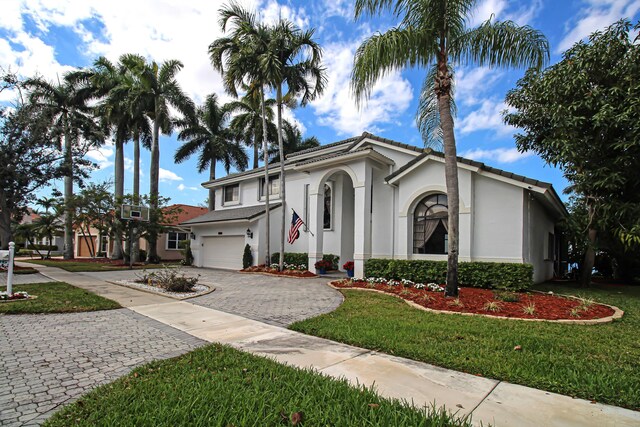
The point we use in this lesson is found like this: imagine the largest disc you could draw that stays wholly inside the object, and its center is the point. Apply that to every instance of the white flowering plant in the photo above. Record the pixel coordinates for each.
(5, 296)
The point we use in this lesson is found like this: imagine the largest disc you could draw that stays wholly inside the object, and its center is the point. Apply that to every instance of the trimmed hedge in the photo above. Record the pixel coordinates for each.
(494, 275)
(43, 247)
(303, 258)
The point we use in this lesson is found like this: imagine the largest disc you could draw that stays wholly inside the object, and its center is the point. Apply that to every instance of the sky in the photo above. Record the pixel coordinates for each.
(51, 37)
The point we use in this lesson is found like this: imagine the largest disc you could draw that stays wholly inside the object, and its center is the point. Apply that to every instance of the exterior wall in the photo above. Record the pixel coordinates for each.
(538, 226)
(234, 229)
(498, 216)
(382, 215)
(167, 254)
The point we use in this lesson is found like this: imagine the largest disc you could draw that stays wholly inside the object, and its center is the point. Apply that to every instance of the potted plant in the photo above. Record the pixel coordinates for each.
(349, 267)
(322, 266)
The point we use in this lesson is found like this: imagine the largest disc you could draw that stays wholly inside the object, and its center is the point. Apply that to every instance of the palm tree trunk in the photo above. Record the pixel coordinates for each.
(119, 192)
(68, 194)
(256, 145)
(152, 253)
(282, 179)
(590, 254)
(212, 192)
(135, 246)
(451, 176)
(265, 149)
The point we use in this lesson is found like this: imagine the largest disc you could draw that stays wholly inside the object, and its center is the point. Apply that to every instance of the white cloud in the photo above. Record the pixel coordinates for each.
(597, 15)
(389, 100)
(342, 8)
(272, 11)
(487, 117)
(102, 155)
(166, 175)
(182, 187)
(471, 83)
(504, 10)
(500, 155)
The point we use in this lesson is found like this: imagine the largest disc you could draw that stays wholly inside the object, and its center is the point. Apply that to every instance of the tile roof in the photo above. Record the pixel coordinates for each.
(330, 156)
(246, 213)
(184, 213)
(321, 147)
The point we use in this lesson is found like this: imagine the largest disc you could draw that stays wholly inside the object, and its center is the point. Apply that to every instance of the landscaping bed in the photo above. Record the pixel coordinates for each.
(522, 305)
(220, 386)
(94, 264)
(273, 270)
(23, 270)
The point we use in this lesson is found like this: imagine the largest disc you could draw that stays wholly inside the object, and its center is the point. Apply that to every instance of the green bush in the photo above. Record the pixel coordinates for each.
(43, 247)
(333, 259)
(303, 258)
(493, 275)
(185, 250)
(247, 257)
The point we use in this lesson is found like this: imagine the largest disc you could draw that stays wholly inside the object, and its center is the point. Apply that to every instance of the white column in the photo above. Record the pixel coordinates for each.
(316, 223)
(362, 224)
(12, 248)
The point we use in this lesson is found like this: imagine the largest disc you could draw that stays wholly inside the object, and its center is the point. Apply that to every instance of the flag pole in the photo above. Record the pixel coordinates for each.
(305, 224)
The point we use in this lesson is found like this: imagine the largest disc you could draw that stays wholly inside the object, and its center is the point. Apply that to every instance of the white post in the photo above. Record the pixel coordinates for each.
(362, 224)
(12, 247)
(316, 212)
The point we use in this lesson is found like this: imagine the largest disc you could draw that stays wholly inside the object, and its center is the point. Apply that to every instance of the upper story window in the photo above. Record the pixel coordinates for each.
(274, 186)
(430, 225)
(232, 193)
(175, 239)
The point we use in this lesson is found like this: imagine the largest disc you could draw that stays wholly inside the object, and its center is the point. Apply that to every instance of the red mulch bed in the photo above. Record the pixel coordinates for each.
(473, 300)
(275, 271)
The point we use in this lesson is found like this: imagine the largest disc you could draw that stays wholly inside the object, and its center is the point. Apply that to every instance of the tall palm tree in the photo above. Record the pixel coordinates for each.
(434, 34)
(247, 121)
(292, 141)
(72, 121)
(156, 92)
(240, 58)
(292, 64)
(209, 135)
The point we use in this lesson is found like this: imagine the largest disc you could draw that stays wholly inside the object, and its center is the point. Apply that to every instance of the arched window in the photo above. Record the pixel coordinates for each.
(430, 226)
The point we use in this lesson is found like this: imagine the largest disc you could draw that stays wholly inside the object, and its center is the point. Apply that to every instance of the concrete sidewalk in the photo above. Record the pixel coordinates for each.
(487, 401)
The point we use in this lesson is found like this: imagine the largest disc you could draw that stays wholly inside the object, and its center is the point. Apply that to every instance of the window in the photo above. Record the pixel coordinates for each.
(274, 186)
(175, 239)
(232, 193)
(328, 202)
(104, 244)
(430, 225)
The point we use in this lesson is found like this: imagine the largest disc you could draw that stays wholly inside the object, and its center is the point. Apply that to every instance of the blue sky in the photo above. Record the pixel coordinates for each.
(50, 37)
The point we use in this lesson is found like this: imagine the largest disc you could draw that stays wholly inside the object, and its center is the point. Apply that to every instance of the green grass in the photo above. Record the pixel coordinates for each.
(596, 362)
(55, 297)
(87, 266)
(220, 386)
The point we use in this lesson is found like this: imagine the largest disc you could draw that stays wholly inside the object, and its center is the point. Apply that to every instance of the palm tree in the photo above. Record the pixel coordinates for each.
(240, 59)
(247, 122)
(293, 61)
(292, 141)
(209, 135)
(65, 107)
(433, 34)
(156, 92)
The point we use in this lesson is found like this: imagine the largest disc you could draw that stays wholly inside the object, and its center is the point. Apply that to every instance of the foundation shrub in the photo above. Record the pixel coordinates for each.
(303, 258)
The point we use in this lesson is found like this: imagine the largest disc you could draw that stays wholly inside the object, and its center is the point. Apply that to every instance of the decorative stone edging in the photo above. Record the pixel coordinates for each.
(616, 315)
(164, 294)
(264, 273)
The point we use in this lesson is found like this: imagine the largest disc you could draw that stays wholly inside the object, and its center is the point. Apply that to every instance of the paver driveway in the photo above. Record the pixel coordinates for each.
(269, 299)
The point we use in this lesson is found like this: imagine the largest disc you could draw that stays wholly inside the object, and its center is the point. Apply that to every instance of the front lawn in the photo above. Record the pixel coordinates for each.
(220, 386)
(55, 297)
(78, 266)
(596, 362)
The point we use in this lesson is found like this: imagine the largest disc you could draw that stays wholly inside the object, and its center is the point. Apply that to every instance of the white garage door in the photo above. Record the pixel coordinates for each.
(223, 252)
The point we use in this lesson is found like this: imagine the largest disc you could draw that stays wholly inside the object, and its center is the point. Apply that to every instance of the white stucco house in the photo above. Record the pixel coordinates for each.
(371, 197)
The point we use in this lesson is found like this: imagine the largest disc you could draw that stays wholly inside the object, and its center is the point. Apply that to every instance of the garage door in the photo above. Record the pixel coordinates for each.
(223, 252)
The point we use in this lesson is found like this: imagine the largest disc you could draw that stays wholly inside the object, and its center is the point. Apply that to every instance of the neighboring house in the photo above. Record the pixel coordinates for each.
(168, 243)
(58, 238)
(368, 196)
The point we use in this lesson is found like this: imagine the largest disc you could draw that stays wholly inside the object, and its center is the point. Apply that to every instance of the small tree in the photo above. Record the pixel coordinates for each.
(247, 257)
(582, 115)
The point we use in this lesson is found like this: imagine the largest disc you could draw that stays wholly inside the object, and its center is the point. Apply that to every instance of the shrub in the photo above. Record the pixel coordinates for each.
(303, 258)
(333, 259)
(170, 279)
(43, 247)
(506, 296)
(142, 255)
(348, 265)
(187, 255)
(507, 276)
(247, 257)
(323, 264)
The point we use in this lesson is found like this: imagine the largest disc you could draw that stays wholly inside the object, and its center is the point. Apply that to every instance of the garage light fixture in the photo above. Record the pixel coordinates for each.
(249, 233)
(193, 236)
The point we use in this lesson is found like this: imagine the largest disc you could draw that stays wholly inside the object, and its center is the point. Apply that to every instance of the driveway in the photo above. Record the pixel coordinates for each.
(274, 300)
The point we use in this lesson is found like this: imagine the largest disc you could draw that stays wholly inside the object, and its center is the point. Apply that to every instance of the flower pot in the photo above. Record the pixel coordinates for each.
(322, 271)
(350, 273)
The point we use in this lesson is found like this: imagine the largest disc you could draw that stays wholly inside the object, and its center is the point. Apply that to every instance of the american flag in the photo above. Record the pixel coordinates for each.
(294, 231)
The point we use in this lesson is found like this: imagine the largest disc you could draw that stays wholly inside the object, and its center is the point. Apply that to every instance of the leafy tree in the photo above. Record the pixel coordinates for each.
(73, 127)
(97, 209)
(246, 123)
(433, 34)
(208, 134)
(24, 135)
(582, 115)
(239, 58)
(48, 225)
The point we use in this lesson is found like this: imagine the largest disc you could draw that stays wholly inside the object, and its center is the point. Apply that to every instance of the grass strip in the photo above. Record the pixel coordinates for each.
(55, 297)
(595, 362)
(80, 266)
(220, 386)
